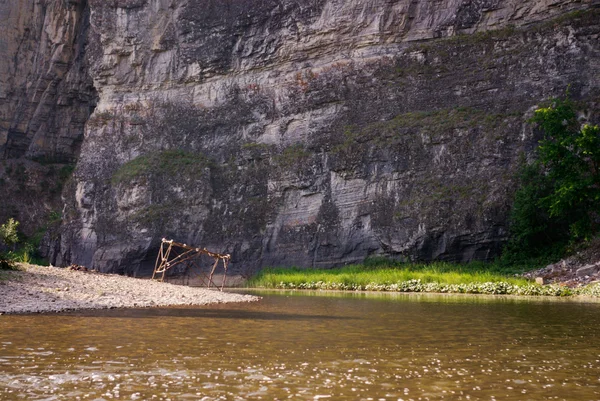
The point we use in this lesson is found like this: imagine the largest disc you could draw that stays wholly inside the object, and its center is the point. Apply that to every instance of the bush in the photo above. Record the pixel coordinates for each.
(9, 235)
(8, 232)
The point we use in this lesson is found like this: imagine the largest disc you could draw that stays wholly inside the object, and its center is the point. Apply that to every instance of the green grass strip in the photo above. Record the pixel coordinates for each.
(435, 277)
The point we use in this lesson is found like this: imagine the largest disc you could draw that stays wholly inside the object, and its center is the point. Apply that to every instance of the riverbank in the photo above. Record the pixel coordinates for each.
(432, 278)
(35, 289)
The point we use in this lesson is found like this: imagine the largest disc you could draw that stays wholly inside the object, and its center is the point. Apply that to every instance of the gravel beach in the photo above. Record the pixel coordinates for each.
(36, 289)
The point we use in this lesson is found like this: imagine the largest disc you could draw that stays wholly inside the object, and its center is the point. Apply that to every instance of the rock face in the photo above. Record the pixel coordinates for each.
(46, 98)
(45, 91)
(307, 133)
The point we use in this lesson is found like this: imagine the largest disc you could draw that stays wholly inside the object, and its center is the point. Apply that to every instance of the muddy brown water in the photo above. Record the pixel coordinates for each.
(325, 346)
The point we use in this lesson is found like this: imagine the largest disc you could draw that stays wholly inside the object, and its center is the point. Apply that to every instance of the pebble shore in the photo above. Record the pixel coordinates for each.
(37, 289)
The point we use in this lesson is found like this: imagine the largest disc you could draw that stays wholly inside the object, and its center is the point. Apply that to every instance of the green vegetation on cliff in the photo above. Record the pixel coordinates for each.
(167, 162)
(433, 124)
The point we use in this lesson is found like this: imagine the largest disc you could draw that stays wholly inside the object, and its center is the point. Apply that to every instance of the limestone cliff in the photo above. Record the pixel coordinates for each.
(312, 132)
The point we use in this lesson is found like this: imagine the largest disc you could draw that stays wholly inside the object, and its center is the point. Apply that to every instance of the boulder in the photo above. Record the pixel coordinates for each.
(588, 270)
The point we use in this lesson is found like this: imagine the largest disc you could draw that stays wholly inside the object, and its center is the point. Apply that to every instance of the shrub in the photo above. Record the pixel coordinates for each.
(6, 263)
(9, 236)
(8, 232)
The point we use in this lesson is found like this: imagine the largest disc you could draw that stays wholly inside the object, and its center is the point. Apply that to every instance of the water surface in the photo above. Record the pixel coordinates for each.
(288, 346)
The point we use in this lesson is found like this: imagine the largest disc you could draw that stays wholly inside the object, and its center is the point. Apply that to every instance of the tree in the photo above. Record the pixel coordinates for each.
(559, 196)
(570, 155)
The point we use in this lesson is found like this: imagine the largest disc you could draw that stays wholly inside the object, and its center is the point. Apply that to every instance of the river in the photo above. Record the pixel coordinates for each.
(321, 346)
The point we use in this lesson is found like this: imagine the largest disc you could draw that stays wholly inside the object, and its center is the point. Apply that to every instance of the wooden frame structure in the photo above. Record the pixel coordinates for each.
(173, 253)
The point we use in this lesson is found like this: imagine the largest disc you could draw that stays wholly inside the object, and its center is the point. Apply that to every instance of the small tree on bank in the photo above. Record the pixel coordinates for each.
(558, 200)
(9, 234)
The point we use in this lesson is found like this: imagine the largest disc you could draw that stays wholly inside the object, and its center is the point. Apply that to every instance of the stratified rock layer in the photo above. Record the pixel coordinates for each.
(314, 133)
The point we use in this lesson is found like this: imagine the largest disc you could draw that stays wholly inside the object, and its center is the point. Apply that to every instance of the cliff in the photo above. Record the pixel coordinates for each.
(310, 133)
(46, 98)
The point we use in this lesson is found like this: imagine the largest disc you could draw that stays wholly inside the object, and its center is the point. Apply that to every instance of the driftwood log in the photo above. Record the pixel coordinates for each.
(173, 253)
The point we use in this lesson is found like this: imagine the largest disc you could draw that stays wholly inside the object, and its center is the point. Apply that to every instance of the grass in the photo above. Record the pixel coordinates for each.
(363, 275)
(441, 277)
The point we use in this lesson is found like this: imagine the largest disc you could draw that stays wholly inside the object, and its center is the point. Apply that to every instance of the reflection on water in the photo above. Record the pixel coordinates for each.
(349, 346)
